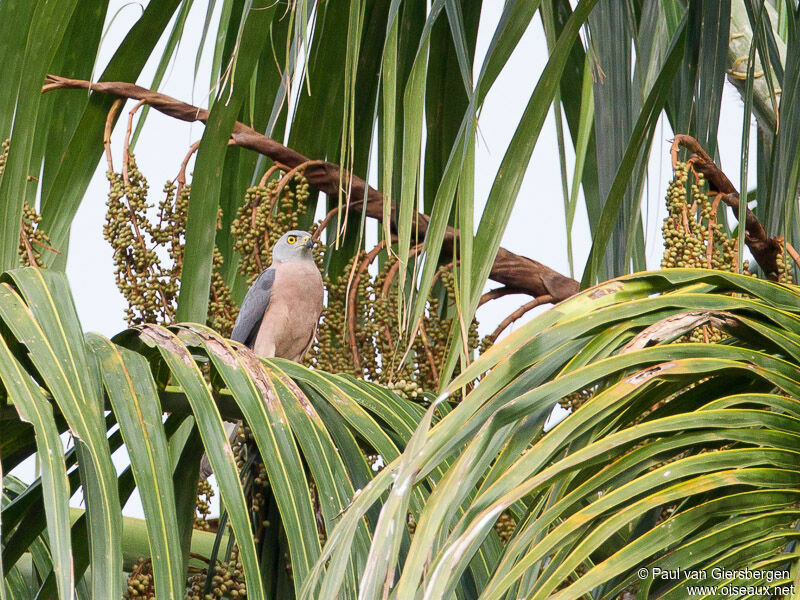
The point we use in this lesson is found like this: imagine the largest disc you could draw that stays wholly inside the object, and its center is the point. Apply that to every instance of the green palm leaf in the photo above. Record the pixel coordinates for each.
(140, 374)
(675, 454)
(658, 433)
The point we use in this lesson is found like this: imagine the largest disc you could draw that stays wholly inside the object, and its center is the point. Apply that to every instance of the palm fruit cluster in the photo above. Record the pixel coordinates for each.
(505, 526)
(239, 446)
(268, 211)
(576, 399)
(409, 389)
(222, 309)
(411, 523)
(150, 291)
(148, 243)
(244, 447)
(204, 494)
(32, 240)
(140, 581)
(376, 323)
(4, 145)
(784, 266)
(227, 582)
(694, 239)
(692, 236)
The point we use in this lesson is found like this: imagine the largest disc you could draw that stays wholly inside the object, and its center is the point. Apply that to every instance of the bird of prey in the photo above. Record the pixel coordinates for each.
(281, 310)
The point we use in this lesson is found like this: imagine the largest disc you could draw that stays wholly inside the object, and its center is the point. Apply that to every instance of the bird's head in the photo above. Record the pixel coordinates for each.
(293, 245)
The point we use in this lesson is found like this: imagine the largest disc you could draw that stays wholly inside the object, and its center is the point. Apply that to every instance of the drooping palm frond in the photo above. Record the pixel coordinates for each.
(313, 431)
(681, 455)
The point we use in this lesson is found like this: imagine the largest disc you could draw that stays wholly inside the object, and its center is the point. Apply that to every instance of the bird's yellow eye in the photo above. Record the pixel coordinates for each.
(291, 239)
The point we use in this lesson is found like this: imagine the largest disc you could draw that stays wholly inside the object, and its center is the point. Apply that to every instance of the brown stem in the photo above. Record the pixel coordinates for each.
(324, 223)
(498, 293)
(267, 174)
(181, 178)
(351, 301)
(45, 246)
(764, 248)
(428, 354)
(508, 268)
(197, 556)
(130, 275)
(528, 306)
(685, 215)
(286, 178)
(112, 114)
(27, 243)
(395, 268)
(126, 155)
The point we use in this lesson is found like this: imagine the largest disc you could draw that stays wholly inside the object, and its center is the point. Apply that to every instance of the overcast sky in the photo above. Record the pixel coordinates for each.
(536, 229)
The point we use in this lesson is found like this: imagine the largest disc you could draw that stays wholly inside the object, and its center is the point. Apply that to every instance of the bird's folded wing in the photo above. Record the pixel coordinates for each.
(252, 312)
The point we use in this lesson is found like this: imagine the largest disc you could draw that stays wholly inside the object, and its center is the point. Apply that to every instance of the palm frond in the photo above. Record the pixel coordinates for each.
(671, 437)
(313, 430)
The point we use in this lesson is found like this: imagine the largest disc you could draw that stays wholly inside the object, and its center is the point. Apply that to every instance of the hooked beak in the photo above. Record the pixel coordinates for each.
(309, 242)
